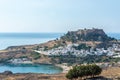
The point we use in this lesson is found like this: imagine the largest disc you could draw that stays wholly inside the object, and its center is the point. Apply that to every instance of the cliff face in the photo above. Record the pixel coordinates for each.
(86, 35)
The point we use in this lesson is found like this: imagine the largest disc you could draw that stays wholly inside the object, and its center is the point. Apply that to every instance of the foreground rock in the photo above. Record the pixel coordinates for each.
(7, 73)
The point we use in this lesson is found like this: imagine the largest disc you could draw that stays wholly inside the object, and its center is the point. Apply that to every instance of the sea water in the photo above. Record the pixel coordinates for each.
(30, 68)
(17, 39)
(115, 35)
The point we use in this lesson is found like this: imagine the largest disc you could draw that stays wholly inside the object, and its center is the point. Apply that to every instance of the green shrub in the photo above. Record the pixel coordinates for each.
(83, 71)
(35, 55)
(73, 73)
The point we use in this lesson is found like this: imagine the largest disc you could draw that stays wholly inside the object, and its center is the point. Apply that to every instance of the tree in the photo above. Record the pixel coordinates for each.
(69, 75)
(73, 73)
(83, 71)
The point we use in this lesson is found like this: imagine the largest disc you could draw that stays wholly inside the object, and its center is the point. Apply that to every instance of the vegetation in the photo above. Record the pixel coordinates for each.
(57, 45)
(87, 35)
(71, 59)
(83, 71)
(35, 55)
(23, 57)
(81, 46)
(45, 48)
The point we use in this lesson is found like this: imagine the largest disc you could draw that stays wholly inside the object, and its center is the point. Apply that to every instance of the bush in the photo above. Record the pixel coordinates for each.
(35, 55)
(73, 73)
(82, 46)
(83, 71)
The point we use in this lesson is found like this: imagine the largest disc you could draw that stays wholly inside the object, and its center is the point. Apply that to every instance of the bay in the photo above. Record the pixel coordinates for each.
(30, 68)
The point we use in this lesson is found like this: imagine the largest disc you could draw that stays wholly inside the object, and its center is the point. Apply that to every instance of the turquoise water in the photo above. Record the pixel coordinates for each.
(31, 68)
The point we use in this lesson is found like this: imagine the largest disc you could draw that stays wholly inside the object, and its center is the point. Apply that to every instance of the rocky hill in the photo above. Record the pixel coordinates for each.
(86, 35)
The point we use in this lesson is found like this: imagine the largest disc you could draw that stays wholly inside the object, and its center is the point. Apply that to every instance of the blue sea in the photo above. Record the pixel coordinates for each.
(114, 35)
(16, 39)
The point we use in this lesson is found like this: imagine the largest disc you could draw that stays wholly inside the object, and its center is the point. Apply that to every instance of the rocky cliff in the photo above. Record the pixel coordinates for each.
(86, 35)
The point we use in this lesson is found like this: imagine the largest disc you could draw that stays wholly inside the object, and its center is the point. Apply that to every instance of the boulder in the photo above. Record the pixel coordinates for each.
(7, 72)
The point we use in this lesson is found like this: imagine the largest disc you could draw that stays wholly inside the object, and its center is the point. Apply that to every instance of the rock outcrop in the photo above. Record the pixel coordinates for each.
(7, 73)
(86, 35)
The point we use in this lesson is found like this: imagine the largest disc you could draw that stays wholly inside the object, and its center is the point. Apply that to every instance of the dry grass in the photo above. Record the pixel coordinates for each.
(112, 72)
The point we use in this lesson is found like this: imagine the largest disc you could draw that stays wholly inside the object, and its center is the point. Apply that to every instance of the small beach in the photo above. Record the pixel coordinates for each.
(64, 67)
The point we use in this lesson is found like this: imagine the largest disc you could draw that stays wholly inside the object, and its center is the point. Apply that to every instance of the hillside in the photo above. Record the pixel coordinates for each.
(86, 35)
(92, 37)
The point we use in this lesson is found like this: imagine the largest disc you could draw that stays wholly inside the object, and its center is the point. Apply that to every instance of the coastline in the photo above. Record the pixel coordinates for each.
(65, 68)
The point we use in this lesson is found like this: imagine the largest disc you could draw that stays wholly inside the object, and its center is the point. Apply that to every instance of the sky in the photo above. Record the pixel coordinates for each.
(59, 15)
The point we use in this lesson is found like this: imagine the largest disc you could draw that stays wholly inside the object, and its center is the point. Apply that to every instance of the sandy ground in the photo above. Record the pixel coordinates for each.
(113, 73)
